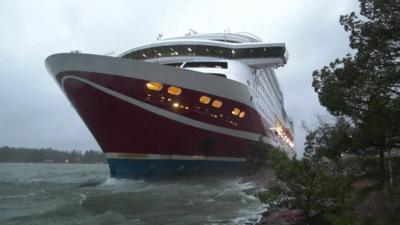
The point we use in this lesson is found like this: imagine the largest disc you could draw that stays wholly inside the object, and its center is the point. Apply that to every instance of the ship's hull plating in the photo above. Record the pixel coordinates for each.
(143, 133)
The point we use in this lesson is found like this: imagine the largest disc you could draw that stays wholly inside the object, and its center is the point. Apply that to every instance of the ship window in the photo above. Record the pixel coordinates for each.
(174, 64)
(235, 111)
(174, 90)
(155, 86)
(230, 41)
(216, 103)
(218, 74)
(205, 99)
(223, 65)
(242, 114)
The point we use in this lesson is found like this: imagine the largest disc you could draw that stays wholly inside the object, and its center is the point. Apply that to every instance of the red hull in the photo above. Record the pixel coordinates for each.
(122, 127)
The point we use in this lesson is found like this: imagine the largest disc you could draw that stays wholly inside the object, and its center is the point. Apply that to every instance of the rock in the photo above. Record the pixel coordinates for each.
(283, 216)
(262, 179)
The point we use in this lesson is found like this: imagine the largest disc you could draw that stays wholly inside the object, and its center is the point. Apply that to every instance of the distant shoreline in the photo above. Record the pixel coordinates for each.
(61, 163)
(50, 156)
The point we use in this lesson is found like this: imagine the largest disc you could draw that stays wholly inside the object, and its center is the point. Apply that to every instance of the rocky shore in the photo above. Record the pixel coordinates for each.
(376, 204)
(263, 180)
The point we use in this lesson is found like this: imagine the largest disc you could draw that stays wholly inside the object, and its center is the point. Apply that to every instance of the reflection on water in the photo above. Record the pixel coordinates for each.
(84, 194)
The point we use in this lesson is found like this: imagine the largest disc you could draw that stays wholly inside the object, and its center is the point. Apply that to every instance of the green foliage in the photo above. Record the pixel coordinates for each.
(313, 188)
(363, 92)
(366, 87)
(258, 155)
(307, 184)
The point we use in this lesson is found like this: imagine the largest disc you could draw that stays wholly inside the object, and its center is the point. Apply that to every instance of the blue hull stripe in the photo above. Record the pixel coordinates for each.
(153, 168)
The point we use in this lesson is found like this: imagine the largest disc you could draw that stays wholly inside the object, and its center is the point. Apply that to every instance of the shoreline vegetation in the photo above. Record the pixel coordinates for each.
(49, 155)
(350, 171)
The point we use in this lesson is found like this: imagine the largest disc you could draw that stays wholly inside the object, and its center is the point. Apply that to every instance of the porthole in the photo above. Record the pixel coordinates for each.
(216, 103)
(205, 99)
(174, 90)
(155, 86)
(235, 111)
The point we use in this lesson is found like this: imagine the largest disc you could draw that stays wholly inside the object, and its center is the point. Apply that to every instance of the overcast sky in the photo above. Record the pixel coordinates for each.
(35, 113)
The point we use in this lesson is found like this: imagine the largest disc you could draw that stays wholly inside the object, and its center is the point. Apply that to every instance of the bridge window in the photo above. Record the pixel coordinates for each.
(222, 65)
(204, 50)
(218, 75)
(174, 64)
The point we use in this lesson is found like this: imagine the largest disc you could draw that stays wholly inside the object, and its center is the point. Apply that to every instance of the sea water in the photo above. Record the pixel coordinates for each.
(85, 194)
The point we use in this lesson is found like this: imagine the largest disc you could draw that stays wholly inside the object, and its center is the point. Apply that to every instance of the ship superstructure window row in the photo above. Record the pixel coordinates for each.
(216, 65)
(204, 50)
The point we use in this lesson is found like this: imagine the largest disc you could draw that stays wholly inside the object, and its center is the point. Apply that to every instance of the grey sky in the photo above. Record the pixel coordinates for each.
(35, 113)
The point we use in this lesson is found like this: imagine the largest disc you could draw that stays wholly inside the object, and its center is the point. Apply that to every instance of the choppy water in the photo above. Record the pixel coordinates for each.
(84, 194)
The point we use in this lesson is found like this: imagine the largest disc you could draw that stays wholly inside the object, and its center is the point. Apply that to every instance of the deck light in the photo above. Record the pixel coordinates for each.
(189, 49)
(233, 51)
(144, 55)
(175, 105)
(242, 114)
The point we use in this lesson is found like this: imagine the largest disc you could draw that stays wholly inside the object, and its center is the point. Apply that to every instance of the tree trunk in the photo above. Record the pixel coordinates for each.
(339, 166)
(382, 160)
(307, 209)
(390, 170)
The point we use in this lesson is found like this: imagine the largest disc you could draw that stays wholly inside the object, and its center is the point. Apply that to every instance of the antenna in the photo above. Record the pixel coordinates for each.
(159, 36)
(193, 31)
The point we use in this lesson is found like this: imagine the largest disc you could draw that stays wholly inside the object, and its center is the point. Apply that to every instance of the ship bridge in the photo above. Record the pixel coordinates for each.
(245, 48)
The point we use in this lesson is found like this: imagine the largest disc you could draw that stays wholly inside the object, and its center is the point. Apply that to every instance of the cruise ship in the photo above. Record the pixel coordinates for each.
(184, 105)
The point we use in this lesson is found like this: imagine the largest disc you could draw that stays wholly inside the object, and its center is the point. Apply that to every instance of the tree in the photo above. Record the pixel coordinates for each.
(307, 184)
(365, 88)
(331, 141)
